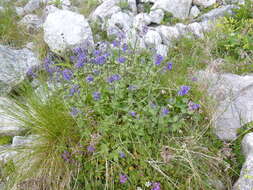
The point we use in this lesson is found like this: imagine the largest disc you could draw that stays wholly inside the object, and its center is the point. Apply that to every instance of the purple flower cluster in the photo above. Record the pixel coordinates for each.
(116, 43)
(74, 89)
(66, 156)
(74, 111)
(67, 74)
(100, 60)
(183, 90)
(114, 78)
(165, 111)
(122, 155)
(169, 66)
(89, 79)
(96, 95)
(81, 57)
(121, 60)
(125, 47)
(156, 186)
(123, 178)
(133, 113)
(31, 73)
(90, 148)
(193, 106)
(158, 59)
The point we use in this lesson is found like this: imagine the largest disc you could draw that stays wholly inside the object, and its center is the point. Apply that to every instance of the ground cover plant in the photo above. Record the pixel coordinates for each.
(114, 117)
(10, 32)
(110, 116)
(233, 40)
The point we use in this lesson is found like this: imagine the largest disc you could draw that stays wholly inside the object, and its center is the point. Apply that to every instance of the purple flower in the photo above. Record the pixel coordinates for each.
(66, 156)
(169, 66)
(89, 79)
(67, 74)
(96, 52)
(107, 54)
(165, 111)
(91, 148)
(158, 59)
(100, 60)
(122, 178)
(96, 95)
(81, 60)
(74, 111)
(48, 65)
(125, 47)
(113, 78)
(73, 90)
(31, 73)
(156, 186)
(121, 59)
(122, 155)
(116, 43)
(194, 79)
(183, 90)
(121, 35)
(96, 72)
(132, 113)
(144, 31)
(193, 106)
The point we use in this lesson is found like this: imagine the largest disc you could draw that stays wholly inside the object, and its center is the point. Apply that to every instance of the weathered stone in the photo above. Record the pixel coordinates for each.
(194, 12)
(49, 9)
(119, 22)
(132, 6)
(218, 12)
(106, 9)
(204, 3)
(234, 96)
(141, 20)
(32, 22)
(14, 64)
(23, 141)
(247, 145)
(65, 30)
(162, 50)
(179, 8)
(156, 16)
(31, 6)
(196, 29)
(20, 11)
(6, 154)
(8, 125)
(168, 33)
(152, 38)
(245, 181)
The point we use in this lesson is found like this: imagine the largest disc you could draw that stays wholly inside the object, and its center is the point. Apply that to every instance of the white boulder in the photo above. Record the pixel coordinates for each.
(64, 29)
(204, 3)
(179, 8)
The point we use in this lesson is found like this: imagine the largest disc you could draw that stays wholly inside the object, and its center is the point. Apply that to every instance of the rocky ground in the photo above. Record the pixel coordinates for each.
(143, 26)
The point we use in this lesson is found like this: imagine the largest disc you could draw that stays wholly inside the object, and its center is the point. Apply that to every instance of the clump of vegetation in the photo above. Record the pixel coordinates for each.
(123, 5)
(4, 140)
(168, 19)
(86, 7)
(234, 40)
(147, 7)
(118, 118)
(10, 32)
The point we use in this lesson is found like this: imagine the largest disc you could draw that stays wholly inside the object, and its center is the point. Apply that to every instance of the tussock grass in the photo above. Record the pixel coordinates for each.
(10, 32)
(42, 161)
(85, 7)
